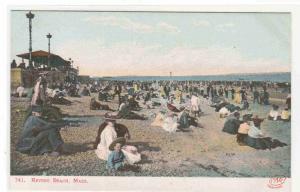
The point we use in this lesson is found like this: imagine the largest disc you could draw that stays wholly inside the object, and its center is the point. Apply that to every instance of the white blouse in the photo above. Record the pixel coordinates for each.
(255, 132)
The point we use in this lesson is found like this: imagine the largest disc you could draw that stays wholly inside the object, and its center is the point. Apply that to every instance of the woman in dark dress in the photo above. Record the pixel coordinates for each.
(257, 140)
(232, 124)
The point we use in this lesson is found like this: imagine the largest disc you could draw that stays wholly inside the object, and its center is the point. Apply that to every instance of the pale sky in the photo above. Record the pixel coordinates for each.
(155, 43)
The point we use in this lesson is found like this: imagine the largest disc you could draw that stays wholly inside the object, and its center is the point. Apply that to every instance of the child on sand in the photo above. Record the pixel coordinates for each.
(116, 158)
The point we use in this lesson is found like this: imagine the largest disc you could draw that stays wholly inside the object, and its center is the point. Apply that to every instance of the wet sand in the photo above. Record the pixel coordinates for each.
(203, 151)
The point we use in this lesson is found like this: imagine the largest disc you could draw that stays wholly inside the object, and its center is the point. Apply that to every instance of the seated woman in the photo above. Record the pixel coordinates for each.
(170, 123)
(39, 136)
(108, 132)
(232, 124)
(133, 104)
(224, 112)
(159, 119)
(243, 129)
(285, 115)
(185, 120)
(274, 113)
(125, 113)
(257, 140)
(95, 105)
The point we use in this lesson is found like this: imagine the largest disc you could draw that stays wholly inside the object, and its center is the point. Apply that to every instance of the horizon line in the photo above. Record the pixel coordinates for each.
(188, 75)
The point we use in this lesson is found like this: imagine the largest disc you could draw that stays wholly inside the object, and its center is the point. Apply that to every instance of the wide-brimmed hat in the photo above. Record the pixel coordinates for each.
(257, 121)
(120, 140)
(109, 117)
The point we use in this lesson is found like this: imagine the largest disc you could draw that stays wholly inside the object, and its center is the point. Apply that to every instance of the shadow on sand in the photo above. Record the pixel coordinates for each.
(72, 148)
(144, 146)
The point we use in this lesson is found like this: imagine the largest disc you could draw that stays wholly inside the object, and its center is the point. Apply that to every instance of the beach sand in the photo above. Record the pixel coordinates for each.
(203, 151)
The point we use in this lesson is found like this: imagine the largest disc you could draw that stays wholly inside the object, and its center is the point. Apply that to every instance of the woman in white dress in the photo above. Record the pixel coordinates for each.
(195, 105)
(107, 133)
(170, 123)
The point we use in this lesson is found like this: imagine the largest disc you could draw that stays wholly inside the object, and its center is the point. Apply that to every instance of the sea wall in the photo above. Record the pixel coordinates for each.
(28, 77)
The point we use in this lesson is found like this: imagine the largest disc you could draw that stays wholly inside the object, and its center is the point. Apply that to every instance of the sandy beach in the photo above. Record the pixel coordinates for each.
(203, 151)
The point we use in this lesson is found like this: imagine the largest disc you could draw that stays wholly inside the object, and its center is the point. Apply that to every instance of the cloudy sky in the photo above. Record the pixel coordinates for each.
(155, 43)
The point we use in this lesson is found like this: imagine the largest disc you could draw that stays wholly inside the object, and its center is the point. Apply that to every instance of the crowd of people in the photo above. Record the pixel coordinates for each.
(177, 106)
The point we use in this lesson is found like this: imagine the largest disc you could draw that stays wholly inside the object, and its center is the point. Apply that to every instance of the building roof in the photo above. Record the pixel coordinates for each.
(42, 58)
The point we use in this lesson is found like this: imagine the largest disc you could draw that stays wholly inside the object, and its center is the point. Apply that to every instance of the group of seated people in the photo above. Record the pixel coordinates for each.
(56, 96)
(40, 137)
(110, 145)
(224, 108)
(19, 92)
(276, 115)
(249, 132)
(175, 121)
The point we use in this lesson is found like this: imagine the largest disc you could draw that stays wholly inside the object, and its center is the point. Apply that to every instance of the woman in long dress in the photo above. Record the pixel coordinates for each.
(237, 97)
(107, 133)
(257, 140)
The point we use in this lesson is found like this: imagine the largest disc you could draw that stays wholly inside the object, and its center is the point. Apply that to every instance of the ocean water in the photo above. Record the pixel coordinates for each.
(272, 77)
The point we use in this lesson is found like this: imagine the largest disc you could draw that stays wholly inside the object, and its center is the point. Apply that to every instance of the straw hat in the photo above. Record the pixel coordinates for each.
(120, 140)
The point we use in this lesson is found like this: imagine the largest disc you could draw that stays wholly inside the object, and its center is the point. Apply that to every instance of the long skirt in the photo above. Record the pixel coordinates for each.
(240, 138)
(263, 143)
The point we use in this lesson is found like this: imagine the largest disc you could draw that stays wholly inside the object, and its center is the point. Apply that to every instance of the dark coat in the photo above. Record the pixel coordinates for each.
(231, 125)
